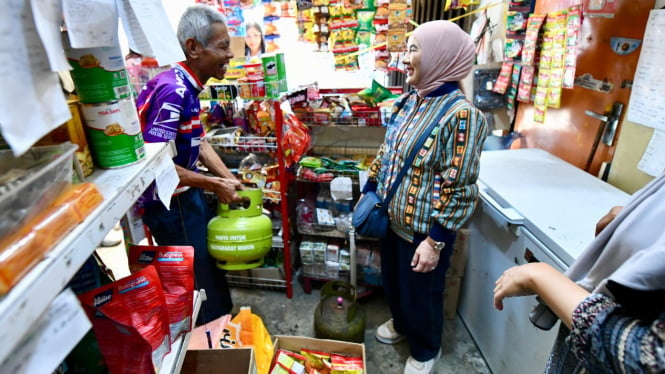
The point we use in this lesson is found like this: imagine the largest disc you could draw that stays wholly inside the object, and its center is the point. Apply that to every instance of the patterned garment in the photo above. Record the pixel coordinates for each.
(440, 185)
(604, 339)
(169, 109)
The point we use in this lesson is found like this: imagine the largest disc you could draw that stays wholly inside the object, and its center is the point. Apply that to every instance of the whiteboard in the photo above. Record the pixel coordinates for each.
(647, 99)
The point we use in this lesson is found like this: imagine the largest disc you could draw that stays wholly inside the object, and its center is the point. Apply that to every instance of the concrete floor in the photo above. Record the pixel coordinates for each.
(295, 316)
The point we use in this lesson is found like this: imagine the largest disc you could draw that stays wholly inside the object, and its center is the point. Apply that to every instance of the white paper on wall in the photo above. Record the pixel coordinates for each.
(653, 159)
(91, 23)
(647, 98)
(48, 16)
(149, 31)
(31, 100)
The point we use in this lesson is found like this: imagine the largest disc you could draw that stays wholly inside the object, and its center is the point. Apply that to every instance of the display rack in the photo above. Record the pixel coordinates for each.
(172, 362)
(224, 141)
(340, 140)
(24, 305)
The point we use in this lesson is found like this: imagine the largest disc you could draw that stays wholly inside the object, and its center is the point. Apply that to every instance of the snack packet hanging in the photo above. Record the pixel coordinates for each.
(130, 320)
(175, 267)
(375, 94)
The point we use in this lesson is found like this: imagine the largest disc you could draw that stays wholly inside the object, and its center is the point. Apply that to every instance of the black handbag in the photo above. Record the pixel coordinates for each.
(370, 218)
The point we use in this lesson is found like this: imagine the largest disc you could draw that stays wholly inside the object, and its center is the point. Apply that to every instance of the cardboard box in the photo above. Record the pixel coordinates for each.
(451, 297)
(213, 361)
(458, 258)
(296, 343)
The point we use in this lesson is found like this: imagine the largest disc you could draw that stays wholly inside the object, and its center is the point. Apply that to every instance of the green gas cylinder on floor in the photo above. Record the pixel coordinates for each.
(338, 315)
(241, 235)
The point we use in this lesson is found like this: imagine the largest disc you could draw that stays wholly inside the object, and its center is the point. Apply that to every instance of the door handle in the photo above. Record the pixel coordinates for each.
(612, 123)
(596, 115)
(606, 131)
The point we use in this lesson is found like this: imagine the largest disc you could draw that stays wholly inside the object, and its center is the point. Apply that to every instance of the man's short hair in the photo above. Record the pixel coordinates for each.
(196, 23)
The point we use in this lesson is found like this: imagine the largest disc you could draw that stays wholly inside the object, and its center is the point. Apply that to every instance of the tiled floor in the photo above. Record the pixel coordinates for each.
(295, 316)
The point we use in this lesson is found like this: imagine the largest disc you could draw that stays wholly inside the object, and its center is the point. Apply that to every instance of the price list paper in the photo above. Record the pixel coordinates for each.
(647, 99)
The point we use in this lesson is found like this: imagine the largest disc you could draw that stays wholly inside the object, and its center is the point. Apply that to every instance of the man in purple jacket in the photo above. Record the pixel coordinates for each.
(169, 110)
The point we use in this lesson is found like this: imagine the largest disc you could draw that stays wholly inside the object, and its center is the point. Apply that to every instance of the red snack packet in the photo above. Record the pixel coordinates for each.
(346, 364)
(130, 321)
(175, 267)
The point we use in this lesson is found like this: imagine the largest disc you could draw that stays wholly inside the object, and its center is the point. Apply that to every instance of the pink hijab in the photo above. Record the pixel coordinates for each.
(447, 54)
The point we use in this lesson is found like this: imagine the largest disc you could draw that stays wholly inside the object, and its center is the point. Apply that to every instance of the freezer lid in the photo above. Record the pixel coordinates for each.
(559, 202)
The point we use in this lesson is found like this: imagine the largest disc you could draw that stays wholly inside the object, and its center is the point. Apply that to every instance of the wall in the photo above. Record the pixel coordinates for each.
(630, 147)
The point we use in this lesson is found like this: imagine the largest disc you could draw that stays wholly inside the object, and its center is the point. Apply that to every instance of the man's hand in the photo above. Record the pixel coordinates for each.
(425, 259)
(607, 218)
(226, 189)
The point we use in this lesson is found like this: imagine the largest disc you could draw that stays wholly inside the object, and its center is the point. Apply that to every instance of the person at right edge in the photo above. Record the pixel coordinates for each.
(611, 300)
(437, 194)
(169, 109)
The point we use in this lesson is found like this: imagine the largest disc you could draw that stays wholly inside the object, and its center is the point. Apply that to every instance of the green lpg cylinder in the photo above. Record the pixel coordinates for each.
(241, 235)
(338, 316)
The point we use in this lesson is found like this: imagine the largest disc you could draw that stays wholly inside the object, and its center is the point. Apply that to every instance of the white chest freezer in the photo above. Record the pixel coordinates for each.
(533, 206)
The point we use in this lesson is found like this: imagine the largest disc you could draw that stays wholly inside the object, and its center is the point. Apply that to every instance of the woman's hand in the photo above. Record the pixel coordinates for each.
(516, 281)
(607, 218)
(425, 259)
(557, 291)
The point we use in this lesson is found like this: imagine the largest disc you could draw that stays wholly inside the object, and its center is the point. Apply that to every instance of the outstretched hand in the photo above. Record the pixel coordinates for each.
(513, 282)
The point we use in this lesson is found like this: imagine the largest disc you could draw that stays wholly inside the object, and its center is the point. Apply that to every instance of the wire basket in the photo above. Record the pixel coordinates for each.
(229, 140)
(326, 117)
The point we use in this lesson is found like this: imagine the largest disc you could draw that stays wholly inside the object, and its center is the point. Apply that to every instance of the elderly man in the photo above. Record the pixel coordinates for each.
(169, 110)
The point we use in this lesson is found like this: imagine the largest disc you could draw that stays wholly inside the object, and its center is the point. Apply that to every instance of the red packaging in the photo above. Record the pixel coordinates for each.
(130, 321)
(175, 267)
(367, 116)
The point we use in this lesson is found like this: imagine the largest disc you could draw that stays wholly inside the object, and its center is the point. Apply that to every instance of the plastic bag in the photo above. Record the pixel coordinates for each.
(248, 330)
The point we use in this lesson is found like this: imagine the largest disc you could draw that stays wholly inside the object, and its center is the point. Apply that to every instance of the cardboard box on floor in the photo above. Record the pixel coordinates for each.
(296, 343)
(451, 297)
(199, 359)
(213, 361)
(458, 257)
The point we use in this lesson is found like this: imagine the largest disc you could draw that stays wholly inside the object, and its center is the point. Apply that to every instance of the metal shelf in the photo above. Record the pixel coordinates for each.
(24, 305)
(172, 363)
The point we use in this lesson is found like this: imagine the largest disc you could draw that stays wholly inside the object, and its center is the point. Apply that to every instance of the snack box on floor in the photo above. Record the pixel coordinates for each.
(213, 361)
(296, 343)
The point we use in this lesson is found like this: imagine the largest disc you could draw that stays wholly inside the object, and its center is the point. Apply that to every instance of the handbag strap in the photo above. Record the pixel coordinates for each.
(416, 149)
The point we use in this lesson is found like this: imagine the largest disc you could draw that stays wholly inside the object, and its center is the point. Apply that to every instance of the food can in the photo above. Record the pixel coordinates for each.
(99, 73)
(269, 62)
(272, 89)
(270, 75)
(114, 133)
(281, 72)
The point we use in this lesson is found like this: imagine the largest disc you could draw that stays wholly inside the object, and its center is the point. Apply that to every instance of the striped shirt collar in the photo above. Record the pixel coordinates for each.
(196, 83)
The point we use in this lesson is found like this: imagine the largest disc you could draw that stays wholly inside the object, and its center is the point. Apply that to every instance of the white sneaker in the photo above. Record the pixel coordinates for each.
(112, 239)
(387, 334)
(414, 366)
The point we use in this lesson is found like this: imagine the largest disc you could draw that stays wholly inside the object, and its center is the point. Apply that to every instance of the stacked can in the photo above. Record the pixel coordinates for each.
(270, 75)
(111, 122)
(281, 72)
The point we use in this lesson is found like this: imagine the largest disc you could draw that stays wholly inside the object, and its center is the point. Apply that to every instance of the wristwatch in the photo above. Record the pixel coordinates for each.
(438, 246)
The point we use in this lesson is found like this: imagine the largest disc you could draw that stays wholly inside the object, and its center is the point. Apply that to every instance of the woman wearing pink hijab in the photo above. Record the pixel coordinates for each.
(438, 192)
